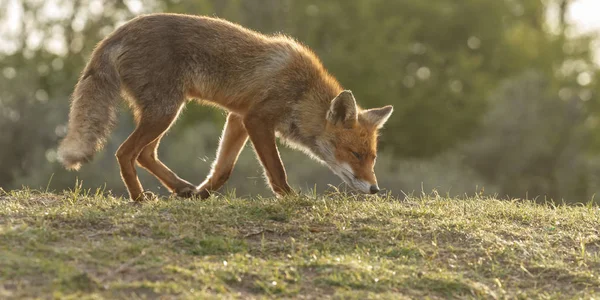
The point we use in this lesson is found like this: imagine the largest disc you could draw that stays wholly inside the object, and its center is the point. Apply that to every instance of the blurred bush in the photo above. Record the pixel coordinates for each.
(533, 141)
(488, 97)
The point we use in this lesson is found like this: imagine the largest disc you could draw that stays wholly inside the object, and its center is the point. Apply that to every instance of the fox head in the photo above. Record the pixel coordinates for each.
(348, 144)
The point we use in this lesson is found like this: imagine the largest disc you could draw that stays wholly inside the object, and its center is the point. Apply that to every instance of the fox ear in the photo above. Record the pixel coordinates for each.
(343, 109)
(378, 116)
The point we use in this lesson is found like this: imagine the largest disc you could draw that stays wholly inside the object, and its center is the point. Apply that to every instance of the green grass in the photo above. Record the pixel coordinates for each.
(80, 245)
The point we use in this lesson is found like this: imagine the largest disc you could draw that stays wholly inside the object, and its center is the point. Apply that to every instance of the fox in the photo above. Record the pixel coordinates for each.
(271, 86)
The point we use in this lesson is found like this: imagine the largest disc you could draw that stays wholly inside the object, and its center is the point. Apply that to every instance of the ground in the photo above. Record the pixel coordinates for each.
(79, 245)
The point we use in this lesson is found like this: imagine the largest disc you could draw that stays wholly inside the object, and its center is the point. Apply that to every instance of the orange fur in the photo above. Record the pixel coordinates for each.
(269, 84)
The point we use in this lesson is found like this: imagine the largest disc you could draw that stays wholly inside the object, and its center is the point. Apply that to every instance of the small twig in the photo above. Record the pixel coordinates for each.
(316, 229)
(527, 271)
(104, 232)
(258, 232)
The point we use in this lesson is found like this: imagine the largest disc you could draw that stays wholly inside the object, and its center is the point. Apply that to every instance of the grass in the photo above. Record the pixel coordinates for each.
(81, 245)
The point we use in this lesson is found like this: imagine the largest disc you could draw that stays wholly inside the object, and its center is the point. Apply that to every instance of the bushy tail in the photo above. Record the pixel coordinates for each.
(93, 112)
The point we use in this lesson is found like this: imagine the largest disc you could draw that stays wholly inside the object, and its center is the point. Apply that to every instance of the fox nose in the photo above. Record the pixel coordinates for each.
(374, 189)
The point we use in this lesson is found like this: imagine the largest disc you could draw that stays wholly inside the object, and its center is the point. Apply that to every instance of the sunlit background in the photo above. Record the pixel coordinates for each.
(491, 97)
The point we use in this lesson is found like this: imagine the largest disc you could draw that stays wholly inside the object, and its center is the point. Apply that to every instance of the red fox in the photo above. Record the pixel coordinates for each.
(271, 86)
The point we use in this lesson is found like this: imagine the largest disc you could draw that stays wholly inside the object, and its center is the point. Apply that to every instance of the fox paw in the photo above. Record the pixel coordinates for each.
(192, 192)
(286, 191)
(145, 197)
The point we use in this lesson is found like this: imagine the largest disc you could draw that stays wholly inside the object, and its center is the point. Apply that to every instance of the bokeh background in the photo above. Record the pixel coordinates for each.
(491, 97)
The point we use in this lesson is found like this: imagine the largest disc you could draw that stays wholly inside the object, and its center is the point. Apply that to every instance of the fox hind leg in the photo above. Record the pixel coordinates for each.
(149, 160)
(151, 125)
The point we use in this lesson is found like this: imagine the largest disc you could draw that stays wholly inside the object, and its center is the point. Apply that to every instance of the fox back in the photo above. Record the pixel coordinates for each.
(269, 84)
(210, 59)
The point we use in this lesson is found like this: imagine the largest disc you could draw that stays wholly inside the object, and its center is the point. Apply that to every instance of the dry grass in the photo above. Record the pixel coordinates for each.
(82, 245)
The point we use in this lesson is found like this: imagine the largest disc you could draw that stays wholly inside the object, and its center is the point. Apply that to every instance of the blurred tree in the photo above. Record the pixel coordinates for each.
(532, 142)
(51, 44)
(436, 61)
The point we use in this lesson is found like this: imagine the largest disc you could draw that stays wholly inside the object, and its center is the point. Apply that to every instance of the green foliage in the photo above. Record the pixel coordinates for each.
(84, 245)
(435, 61)
(442, 64)
(540, 149)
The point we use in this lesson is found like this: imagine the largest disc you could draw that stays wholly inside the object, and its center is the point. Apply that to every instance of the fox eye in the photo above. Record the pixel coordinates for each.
(356, 154)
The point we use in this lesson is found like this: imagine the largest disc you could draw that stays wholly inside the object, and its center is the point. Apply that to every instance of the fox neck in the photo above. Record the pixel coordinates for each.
(304, 127)
(307, 128)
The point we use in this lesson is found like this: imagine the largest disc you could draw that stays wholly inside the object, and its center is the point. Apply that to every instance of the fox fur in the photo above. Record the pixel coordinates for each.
(270, 85)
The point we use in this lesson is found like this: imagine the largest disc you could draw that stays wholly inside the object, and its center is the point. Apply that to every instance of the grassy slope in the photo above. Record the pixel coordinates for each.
(77, 245)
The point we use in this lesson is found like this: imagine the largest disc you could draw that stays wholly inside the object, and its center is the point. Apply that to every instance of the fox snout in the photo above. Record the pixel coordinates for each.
(374, 189)
(370, 181)
(356, 181)
(365, 186)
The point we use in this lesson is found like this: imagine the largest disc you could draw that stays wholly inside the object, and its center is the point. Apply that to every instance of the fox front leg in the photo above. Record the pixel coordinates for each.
(262, 136)
(233, 139)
